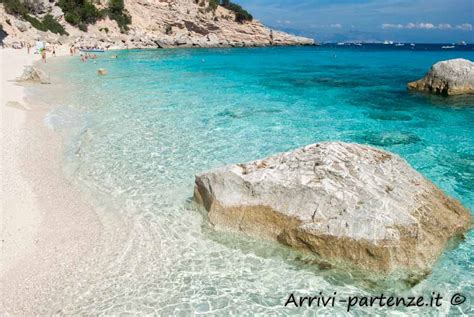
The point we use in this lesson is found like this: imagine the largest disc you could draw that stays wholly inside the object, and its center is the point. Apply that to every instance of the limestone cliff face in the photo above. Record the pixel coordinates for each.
(346, 203)
(156, 23)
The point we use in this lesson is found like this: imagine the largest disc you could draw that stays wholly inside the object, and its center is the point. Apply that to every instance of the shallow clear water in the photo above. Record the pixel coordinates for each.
(137, 137)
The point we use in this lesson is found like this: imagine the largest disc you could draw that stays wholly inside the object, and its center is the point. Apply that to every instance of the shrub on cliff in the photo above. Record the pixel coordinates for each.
(34, 22)
(241, 15)
(80, 13)
(213, 4)
(23, 10)
(49, 23)
(15, 7)
(117, 12)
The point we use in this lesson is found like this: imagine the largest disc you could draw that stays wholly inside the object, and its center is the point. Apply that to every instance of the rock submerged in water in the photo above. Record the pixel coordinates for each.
(33, 74)
(451, 77)
(102, 71)
(347, 203)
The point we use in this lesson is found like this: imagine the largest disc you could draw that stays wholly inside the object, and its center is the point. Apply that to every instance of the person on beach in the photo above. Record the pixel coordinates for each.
(54, 50)
(71, 50)
(38, 46)
(28, 47)
(43, 55)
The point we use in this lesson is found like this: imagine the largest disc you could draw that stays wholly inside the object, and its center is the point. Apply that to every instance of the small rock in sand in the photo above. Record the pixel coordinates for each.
(33, 74)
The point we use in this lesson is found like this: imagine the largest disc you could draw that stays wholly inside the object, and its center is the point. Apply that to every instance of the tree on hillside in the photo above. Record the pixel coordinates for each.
(241, 15)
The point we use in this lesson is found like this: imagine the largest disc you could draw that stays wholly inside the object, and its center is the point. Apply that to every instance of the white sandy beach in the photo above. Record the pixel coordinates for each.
(19, 213)
(46, 227)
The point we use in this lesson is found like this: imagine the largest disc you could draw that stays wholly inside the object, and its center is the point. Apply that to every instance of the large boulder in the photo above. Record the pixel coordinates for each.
(346, 203)
(22, 26)
(57, 13)
(33, 74)
(451, 77)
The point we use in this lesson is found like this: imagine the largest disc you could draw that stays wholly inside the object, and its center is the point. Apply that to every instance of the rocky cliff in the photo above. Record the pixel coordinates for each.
(155, 23)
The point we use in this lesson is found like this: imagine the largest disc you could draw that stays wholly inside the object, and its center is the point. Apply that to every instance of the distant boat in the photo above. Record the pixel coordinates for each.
(412, 44)
(341, 43)
(447, 46)
(388, 42)
(399, 44)
(462, 43)
(358, 44)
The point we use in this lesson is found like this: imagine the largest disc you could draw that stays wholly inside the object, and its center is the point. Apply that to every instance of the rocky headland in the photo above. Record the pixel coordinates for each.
(451, 77)
(140, 24)
(346, 203)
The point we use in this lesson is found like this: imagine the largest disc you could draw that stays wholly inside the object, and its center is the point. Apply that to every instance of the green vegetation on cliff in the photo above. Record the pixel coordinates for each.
(24, 10)
(241, 15)
(48, 24)
(117, 12)
(213, 4)
(15, 7)
(80, 13)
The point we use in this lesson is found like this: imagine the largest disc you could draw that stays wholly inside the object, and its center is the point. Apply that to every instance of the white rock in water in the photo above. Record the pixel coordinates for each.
(33, 74)
(451, 77)
(347, 203)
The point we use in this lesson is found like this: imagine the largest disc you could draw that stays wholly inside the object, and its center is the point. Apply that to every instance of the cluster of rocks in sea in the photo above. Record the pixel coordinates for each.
(346, 203)
(178, 23)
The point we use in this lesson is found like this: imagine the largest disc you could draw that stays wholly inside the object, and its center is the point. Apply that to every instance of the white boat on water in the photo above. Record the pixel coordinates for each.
(399, 44)
(462, 43)
(388, 42)
(412, 44)
(447, 46)
(341, 43)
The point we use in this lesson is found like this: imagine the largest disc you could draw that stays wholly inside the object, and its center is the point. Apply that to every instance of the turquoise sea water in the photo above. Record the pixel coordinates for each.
(137, 137)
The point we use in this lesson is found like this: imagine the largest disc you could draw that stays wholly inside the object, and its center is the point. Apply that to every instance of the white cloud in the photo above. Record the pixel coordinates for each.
(444, 26)
(464, 27)
(327, 26)
(392, 26)
(428, 26)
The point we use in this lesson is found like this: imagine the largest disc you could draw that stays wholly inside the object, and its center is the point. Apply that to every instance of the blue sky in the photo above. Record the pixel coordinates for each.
(428, 21)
